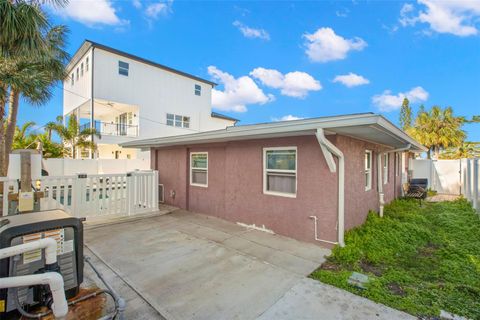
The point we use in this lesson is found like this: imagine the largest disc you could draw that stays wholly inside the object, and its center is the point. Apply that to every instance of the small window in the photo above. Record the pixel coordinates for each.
(280, 171)
(77, 73)
(81, 69)
(123, 68)
(178, 121)
(386, 158)
(86, 64)
(170, 119)
(198, 90)
(368, 170)
(199, 169)
(73, 79)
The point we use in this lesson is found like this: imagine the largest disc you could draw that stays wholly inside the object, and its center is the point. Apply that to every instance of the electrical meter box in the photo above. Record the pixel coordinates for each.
(23, 228)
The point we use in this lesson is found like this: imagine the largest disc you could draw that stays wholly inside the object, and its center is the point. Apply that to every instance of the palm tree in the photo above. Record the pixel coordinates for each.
(27, 75)
(24, 138)
(438, 129)
(74, 137)
(466, 150)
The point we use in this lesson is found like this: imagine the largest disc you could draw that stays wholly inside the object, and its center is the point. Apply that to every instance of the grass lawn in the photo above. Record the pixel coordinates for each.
(420, 259)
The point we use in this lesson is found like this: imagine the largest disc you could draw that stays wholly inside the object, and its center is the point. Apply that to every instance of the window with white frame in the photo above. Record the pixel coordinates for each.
(179, 121)
(199, 169)
(73, 79)
(81, 69)
(368, 170)
(123, 68)
(77, 73)
(86, 64)
(198, 90)
(280, 171)
(386, 158)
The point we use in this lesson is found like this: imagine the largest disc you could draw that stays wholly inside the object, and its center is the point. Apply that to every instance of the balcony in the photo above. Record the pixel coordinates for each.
(113, 129)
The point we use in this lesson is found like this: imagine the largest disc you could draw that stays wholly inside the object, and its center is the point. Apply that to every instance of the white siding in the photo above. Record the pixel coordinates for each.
(80, 92)
(156, 92)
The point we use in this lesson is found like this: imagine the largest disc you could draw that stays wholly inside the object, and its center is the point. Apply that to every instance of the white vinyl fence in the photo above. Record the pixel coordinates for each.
(471, 181)
(85, 195)
(65, 167)
(459, 177)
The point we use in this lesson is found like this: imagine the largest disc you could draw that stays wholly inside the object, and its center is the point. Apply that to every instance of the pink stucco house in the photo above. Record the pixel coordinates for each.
(308, 179)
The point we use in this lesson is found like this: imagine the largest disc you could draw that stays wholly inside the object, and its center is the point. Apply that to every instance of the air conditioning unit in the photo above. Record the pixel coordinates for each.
(161, 193)
(23, 228)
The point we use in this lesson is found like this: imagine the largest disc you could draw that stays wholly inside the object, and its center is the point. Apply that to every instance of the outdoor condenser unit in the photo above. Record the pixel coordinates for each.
(23, 228)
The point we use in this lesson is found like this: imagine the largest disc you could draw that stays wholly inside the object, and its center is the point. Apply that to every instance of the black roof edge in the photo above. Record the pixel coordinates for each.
(143, 60)
(222, 116)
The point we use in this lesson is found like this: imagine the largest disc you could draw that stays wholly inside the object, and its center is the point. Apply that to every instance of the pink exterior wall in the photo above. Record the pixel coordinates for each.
(235, 185)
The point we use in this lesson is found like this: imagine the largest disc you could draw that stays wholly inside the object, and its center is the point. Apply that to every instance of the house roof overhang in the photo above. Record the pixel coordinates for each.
(369, 127)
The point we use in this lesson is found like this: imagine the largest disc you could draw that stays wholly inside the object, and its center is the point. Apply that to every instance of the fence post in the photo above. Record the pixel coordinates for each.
(155, 190)
(5, 186)
(468, 184)
(130, 189)
(475, 184)
(78, 190)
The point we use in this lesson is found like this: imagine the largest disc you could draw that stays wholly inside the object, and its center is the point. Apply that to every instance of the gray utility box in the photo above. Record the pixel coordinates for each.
(23, 228)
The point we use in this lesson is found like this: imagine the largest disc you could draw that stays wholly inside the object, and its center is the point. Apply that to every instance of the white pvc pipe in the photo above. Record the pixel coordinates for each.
(341, 182)
(49, 244)
(53, 279)
(315, 219)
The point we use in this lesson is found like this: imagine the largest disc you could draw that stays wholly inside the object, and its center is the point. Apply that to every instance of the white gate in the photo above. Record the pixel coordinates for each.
(93, 195)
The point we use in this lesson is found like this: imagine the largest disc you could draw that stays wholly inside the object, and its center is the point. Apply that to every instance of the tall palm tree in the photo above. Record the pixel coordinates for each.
(438, 129)
(466, 150)
(24, 138)
(30, 66)
(74, 137)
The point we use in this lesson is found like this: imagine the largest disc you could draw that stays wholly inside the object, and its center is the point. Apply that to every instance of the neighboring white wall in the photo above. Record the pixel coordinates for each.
(80, 93)
(62, 167)
(443, 175)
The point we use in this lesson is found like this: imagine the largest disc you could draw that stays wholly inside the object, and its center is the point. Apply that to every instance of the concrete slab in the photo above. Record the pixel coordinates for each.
(190, 266)
(310, 299)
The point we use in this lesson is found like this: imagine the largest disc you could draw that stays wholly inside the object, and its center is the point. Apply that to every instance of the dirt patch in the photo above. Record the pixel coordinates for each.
(370, 268)
(396, 289)
(428, 250)
(330, 266)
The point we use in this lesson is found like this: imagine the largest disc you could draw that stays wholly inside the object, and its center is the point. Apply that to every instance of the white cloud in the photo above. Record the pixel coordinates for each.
(342, 13)
(455, 17)
(288, 117)
(154, 10)
(293, 84)
(251, 32)
(351, 80)
(237, 92)
(325, 45)
(91, 12)
(388, 102)
(137, 4)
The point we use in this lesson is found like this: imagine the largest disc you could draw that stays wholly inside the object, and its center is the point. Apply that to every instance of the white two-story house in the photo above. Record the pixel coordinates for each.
(125, 97)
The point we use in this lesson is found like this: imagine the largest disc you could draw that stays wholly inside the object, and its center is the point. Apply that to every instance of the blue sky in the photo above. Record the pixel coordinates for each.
(276, 60)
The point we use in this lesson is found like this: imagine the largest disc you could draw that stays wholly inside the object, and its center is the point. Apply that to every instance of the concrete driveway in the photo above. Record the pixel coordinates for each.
(191, 266)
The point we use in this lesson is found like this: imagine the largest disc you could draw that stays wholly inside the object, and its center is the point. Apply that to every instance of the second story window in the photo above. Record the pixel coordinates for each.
(86, 64)
(77, 73)
(123, 68)
(198, 90)
(179, 121)
(81, 69)
(73, 79)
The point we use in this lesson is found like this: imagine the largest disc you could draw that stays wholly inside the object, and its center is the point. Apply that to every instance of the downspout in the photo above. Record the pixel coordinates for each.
(381, 195)
(329, 150)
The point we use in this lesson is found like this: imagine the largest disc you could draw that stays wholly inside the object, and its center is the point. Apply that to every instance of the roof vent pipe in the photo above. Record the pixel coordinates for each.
(328, 149)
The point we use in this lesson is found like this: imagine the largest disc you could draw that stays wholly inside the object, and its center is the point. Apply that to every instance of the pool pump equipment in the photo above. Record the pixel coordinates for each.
(28, 238)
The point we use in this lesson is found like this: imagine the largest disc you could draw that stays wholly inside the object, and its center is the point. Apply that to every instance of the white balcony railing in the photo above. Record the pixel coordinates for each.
(113, 129)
